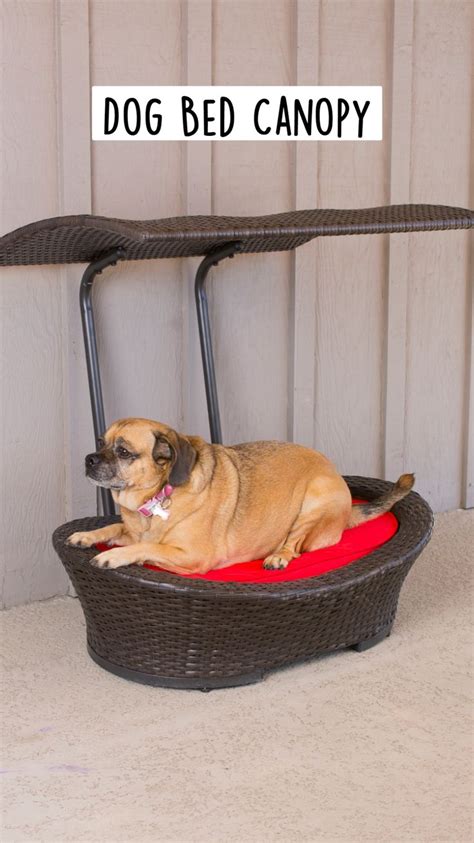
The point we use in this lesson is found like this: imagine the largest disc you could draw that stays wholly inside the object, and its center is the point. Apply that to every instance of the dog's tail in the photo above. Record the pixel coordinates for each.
(362, 512)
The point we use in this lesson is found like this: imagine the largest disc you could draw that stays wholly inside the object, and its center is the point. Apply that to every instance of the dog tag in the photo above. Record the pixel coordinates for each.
(157, 509)
(166, 503)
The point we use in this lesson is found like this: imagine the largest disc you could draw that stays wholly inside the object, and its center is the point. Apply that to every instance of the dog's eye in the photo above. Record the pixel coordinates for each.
(123, 453)
(100, 442)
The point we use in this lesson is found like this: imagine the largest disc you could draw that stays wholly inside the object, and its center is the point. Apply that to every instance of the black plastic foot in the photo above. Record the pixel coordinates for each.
(371, 642)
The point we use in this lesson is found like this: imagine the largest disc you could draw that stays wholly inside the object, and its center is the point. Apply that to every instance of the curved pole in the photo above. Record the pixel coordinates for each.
(212, 259)
(92, 358)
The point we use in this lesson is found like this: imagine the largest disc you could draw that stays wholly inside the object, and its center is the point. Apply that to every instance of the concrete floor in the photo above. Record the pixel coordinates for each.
(351, 747)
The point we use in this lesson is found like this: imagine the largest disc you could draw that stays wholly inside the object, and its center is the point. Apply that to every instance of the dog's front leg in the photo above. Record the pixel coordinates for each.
(104, 534)
(170, 558)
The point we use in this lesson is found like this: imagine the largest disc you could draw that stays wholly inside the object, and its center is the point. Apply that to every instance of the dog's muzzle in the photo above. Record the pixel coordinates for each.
(102, 471)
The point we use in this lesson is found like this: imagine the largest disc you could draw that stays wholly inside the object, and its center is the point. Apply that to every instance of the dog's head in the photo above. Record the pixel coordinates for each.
(140, 454)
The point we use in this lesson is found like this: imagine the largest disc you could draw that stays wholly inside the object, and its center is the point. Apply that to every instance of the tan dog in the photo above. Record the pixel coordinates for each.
(213, 505)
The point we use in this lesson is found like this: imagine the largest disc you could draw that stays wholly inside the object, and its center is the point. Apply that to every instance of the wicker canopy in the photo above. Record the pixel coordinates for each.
(82, 239)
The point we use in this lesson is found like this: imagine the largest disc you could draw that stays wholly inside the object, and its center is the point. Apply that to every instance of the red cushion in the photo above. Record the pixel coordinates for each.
(357, 542)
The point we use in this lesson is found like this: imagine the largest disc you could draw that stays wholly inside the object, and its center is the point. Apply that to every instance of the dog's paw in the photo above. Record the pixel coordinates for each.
(81, 539)
(275, 562)
(114, 558)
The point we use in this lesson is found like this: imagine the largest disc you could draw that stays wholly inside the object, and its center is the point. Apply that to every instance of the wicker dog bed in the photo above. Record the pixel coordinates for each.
(162, 629)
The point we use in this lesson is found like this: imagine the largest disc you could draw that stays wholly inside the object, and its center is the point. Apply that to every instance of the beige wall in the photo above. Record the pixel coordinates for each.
(360, 346)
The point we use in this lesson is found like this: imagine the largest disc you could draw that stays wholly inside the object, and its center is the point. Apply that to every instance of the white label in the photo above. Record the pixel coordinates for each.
(238, 113)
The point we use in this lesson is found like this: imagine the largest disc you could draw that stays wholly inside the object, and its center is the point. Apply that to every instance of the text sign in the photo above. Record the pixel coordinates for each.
(175, 113)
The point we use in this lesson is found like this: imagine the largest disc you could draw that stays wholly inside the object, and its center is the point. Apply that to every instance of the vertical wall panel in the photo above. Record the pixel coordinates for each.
(305, 281)
(467, 492)
(139, 305)
(352, 270)
(397, 281)
(32, 435)
(438, 262)
(74, 176)
(197, 23)
(253, 43)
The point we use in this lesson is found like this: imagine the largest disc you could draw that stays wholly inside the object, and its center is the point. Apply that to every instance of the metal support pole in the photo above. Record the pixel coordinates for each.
(92, 359)
(212, 259)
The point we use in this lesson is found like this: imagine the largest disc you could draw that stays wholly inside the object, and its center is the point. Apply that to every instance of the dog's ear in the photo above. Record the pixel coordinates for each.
(179, 452)
(184, 463)
(162, 450)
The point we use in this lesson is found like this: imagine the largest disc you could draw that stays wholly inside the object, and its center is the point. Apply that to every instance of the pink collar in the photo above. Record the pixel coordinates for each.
(158, 505)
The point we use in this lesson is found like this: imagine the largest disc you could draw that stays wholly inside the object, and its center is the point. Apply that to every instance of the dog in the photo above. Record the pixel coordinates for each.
(191, 507)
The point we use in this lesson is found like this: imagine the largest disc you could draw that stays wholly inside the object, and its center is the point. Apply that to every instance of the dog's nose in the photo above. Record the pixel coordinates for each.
(92, 460)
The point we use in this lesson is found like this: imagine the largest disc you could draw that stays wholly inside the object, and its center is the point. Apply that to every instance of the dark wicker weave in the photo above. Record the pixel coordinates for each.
(77, 239)
(163, 629)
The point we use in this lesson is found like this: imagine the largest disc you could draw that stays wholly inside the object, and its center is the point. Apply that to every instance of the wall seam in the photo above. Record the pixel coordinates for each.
(198, 51)
(396, 312)
(64, 344)
(467, 473)
(304, 280)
